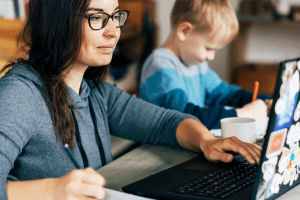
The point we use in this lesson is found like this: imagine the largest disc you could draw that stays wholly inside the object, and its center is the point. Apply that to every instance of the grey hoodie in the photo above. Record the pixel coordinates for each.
(28, 147)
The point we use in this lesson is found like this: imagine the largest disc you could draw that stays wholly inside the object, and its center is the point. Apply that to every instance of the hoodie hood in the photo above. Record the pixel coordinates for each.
(28, 73)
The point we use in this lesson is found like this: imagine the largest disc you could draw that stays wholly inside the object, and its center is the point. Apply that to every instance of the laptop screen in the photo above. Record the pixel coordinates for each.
(280, 165)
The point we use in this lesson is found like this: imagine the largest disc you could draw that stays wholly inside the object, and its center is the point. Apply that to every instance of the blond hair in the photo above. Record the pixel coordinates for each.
(215, 17)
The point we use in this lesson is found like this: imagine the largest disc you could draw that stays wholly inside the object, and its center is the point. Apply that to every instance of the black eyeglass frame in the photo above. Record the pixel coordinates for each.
(88, 16)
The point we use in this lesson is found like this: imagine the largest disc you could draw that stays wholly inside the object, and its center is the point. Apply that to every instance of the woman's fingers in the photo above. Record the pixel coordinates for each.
(80, 185)
(257, 149)
(215, 155)
(249, 151)
(92, 191)
(93, 177)
(216, 150)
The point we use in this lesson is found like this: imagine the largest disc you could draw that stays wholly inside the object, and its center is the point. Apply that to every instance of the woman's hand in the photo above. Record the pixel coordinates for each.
(257, 110)
(215, 150)
(79, 184)
(76, 185)
(194, 136)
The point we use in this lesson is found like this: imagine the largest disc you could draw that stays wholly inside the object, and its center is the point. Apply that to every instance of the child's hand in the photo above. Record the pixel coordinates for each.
(257, 110)
(269, 103)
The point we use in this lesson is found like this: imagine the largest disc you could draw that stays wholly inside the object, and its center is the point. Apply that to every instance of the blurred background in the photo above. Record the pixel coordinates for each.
(269, 33)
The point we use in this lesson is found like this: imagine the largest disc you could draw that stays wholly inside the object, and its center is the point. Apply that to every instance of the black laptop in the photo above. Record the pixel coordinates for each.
(277, 172)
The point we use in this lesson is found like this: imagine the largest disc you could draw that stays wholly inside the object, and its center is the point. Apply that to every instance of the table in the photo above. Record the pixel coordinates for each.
(141, 162)
(148, 159)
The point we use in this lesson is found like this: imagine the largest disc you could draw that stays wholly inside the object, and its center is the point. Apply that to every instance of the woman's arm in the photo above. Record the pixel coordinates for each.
(19, 108)
(134, 119)
(33, 190)
(194, 136)
(76, 185)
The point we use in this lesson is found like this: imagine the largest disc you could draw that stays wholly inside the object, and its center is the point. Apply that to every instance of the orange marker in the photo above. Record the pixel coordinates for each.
(255, 90)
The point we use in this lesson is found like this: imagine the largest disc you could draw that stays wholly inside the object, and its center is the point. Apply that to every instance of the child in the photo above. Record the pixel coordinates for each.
(177, 76)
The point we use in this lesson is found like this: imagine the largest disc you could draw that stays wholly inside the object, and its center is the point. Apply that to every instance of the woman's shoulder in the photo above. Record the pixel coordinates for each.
(22, 71)
(20, 81)
(20, 103)
(13, 79)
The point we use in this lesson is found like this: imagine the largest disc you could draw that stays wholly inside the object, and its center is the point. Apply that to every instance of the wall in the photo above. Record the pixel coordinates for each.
(163, 16)
(265, 44)
(273, 43)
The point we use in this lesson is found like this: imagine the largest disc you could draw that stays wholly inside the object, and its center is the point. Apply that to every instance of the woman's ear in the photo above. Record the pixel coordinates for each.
(183, 29)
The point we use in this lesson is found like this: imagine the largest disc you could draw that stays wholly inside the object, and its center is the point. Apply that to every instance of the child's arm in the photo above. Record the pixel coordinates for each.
(221, 93)
(242, 97)
(210, 116)
(166, 88)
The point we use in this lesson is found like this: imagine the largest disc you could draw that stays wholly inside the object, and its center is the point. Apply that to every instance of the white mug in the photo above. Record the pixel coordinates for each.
(241, 127)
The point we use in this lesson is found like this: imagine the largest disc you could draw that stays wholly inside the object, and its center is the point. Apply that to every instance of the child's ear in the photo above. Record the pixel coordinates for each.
(183, 30)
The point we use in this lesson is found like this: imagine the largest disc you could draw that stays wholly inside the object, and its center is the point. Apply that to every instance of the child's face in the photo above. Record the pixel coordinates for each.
(198, 48)
(98, 45)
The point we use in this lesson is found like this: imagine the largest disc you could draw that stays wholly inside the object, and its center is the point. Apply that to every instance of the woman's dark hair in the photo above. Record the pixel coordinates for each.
(51, 39)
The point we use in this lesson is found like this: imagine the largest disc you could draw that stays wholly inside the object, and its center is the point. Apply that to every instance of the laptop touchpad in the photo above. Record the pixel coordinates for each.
(202, 165)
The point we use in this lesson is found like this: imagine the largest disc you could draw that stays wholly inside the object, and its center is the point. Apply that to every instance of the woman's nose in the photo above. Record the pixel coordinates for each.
(111, 30)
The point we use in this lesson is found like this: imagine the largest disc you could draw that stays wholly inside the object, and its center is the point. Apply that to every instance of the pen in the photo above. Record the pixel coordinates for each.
(67, 148)
(255, 90)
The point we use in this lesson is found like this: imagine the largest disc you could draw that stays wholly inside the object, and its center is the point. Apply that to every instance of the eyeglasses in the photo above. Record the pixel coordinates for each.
(98, 21)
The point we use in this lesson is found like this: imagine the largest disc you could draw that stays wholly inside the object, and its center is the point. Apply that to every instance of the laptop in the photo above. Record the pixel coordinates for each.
(277, 172)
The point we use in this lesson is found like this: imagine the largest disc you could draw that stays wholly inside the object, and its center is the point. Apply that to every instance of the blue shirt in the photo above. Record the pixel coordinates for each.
(167, 82)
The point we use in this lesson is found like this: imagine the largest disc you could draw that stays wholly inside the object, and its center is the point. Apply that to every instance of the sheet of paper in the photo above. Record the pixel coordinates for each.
(116, 195)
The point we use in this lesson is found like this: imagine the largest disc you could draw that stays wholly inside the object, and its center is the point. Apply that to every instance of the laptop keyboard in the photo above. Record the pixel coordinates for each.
(222, 184)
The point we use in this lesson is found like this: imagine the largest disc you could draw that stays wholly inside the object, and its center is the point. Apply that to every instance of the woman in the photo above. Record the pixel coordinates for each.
(56, 97)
